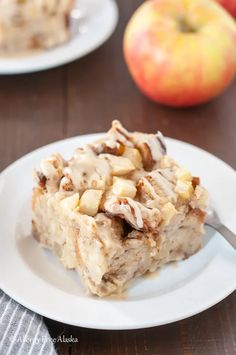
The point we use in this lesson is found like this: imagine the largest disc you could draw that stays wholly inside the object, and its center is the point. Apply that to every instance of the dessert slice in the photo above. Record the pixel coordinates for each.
(118, 208)
(33, 24)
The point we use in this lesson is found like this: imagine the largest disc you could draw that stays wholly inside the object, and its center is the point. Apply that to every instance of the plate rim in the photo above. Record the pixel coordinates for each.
(110, 326)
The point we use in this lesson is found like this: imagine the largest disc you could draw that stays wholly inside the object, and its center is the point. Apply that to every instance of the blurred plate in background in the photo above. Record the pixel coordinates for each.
(97, 20)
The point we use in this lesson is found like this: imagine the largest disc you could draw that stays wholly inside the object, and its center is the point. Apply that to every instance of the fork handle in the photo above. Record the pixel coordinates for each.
(227, 234)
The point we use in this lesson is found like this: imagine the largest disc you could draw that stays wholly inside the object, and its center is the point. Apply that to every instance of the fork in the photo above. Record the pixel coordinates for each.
(213, 220)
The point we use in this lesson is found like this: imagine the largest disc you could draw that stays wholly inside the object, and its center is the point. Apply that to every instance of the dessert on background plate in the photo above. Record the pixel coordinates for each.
(64, 38)
(27, 25)
(120, 207)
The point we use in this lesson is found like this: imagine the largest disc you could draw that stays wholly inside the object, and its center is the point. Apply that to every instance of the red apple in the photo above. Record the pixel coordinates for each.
(229, 5)
(181, 52)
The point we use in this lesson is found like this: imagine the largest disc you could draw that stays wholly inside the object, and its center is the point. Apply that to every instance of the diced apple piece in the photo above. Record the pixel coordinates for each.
(200, 198)
(183, 175)
(167, 162)
(70, 203)
(90, 201)
(124, 187)
(119, 165)
(184, 189)
(168, 212)
(134, 156)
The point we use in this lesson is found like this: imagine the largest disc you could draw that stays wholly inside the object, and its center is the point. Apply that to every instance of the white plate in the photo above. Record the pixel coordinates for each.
(36, 279)
(100, 20)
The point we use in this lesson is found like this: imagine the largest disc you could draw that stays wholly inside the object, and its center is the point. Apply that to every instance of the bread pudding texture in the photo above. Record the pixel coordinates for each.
(33, 24)
(120, 207)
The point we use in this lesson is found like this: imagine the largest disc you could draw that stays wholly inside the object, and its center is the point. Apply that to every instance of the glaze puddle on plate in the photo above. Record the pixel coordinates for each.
(118, 296)
(152, 275)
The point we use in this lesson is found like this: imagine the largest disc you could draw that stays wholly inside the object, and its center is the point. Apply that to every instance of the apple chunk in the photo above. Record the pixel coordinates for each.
(70, 203)
(123, 187)
(119, 165)
(134, 156)
(90, 201)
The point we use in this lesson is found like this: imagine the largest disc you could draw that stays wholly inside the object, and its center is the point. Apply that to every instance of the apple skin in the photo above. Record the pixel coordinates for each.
(181, 52)
(229, 5)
